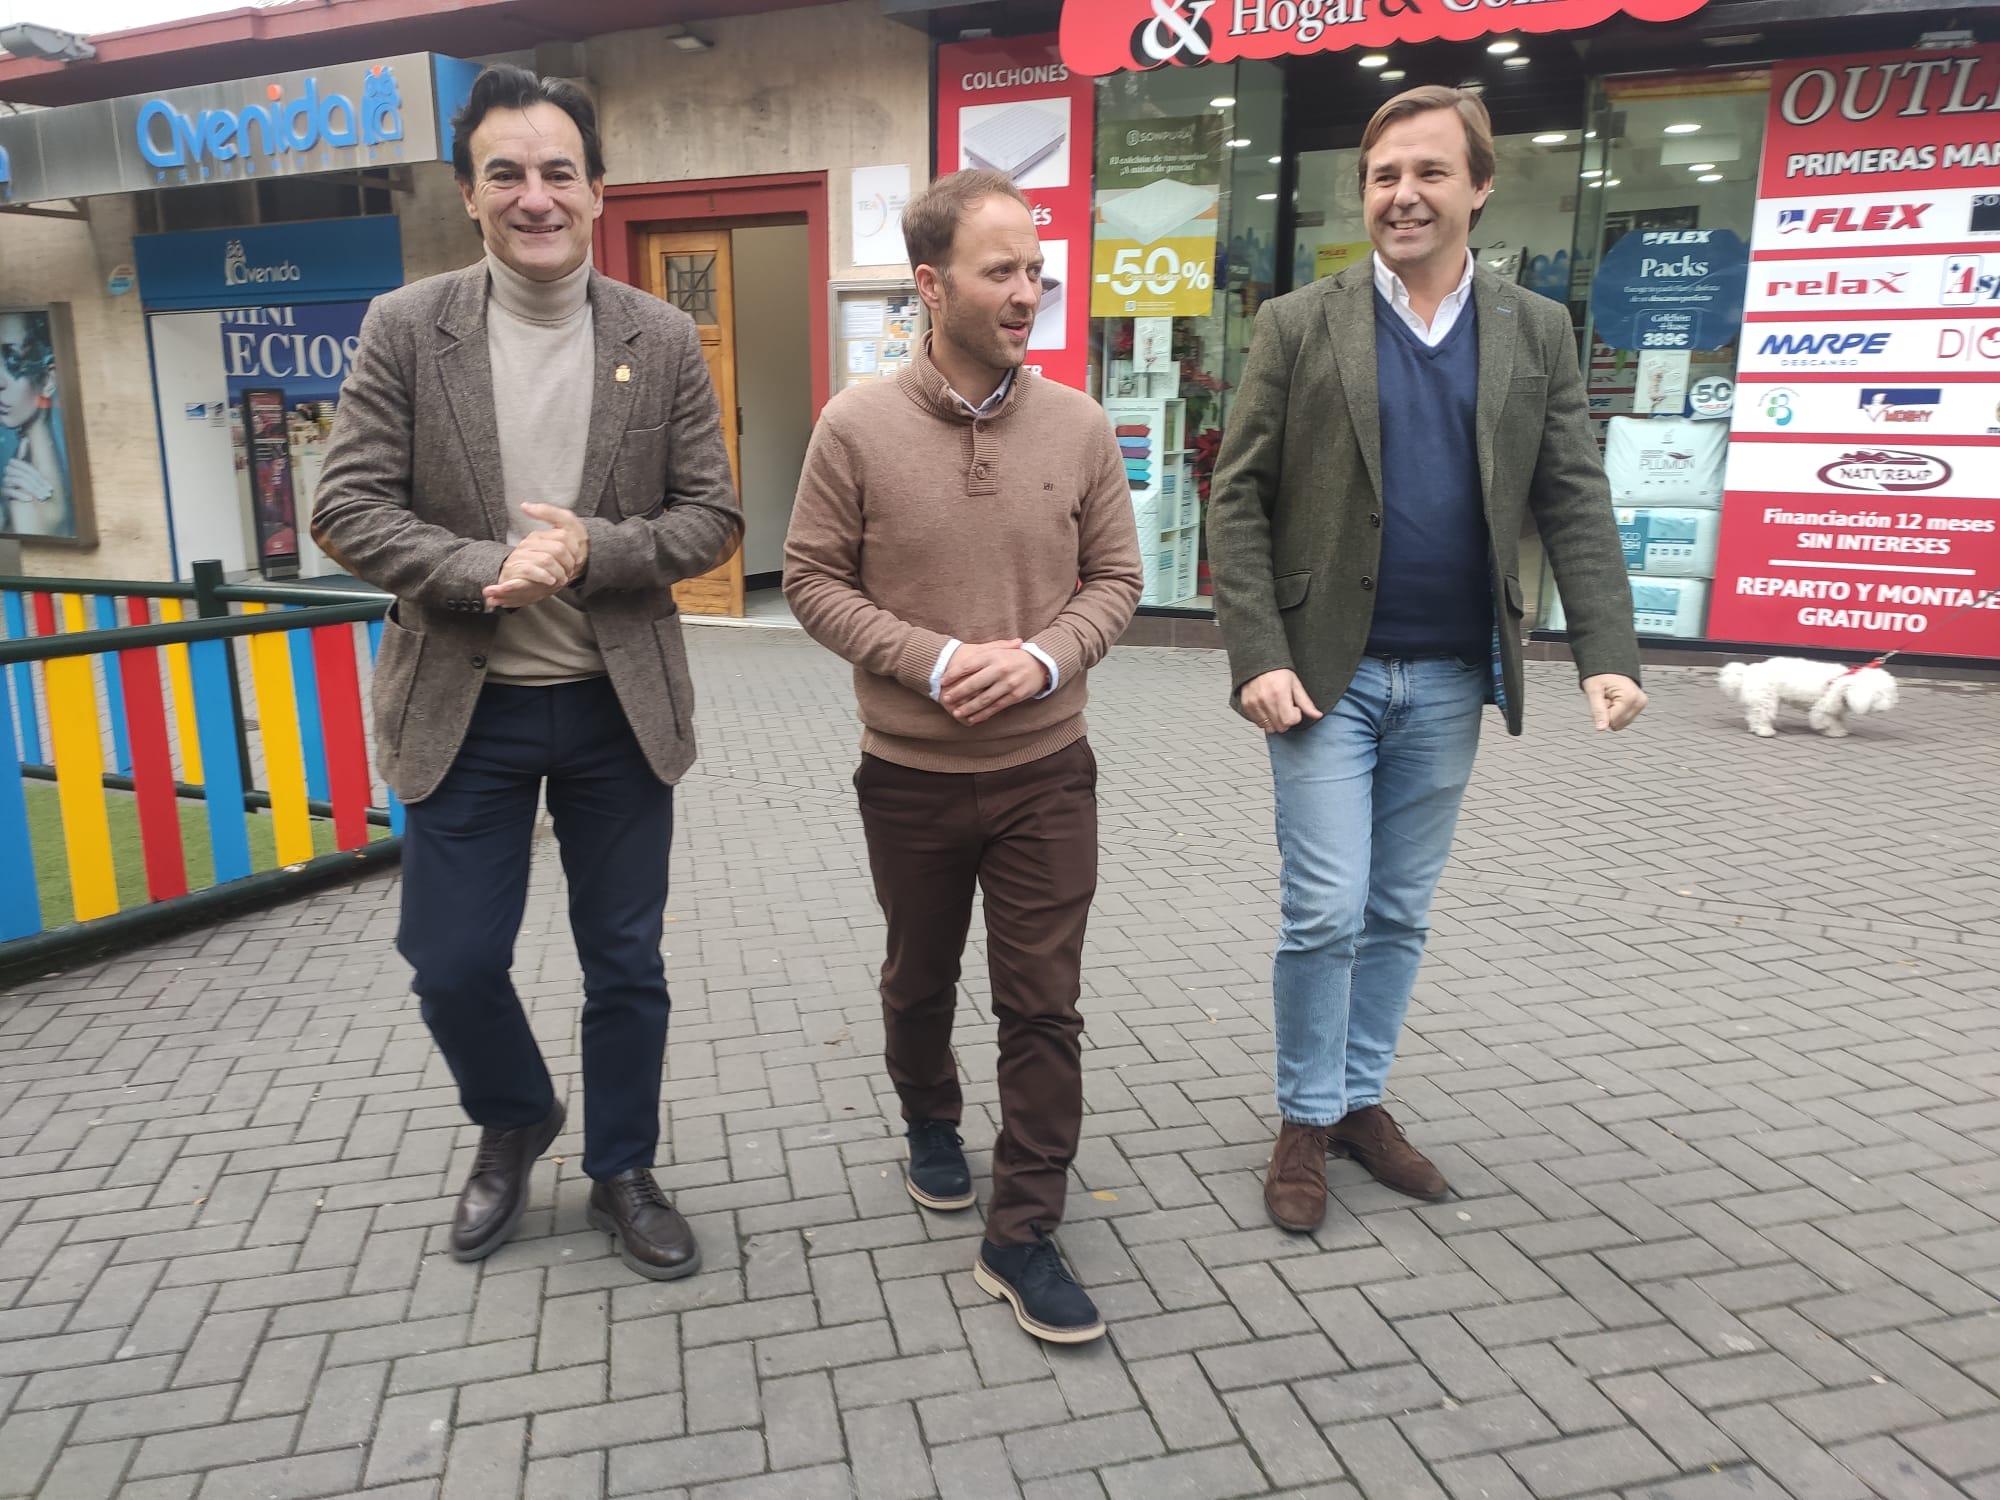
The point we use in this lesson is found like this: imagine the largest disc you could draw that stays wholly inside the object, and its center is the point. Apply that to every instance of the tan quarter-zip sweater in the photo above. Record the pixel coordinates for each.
(540, 340)
(917, 522)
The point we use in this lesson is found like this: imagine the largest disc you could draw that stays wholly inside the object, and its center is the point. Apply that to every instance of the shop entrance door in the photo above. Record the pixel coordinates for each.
(692, 270)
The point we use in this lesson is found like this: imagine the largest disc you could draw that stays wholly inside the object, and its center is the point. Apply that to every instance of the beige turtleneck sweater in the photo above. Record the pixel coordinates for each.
(541, 343)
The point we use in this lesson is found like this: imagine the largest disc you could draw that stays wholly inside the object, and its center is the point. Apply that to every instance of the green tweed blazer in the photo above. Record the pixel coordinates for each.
(1295, 508)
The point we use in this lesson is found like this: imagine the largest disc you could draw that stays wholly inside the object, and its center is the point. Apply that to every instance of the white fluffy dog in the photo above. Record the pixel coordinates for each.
(1829, 691)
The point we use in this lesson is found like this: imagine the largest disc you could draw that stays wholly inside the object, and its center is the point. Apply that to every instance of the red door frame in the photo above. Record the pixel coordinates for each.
(631, 210)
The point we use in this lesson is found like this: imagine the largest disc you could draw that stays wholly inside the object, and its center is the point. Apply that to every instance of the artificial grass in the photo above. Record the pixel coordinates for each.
(45, 831)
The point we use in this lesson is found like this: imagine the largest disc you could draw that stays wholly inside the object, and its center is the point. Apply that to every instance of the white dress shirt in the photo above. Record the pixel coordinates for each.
(1390, 285)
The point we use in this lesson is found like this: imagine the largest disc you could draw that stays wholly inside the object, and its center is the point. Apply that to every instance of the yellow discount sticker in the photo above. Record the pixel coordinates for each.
(1171, 278)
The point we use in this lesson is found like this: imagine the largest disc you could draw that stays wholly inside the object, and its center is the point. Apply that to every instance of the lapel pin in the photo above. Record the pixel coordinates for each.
(621, 373)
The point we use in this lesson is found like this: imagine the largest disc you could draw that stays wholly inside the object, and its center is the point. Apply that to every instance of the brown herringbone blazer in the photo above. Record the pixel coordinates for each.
(412, 500)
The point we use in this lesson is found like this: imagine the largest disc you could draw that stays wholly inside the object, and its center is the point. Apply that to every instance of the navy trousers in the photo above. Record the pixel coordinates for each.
(465, 885)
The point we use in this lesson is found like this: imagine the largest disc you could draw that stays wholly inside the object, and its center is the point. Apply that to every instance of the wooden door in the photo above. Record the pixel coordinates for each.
(692, 271)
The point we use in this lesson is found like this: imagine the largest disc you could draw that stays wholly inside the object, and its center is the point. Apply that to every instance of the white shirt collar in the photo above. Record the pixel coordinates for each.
(1397, 295)
(992, 402)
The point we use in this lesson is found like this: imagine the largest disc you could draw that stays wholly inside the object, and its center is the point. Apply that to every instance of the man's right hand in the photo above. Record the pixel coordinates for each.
(1277, 701)
(542, 564)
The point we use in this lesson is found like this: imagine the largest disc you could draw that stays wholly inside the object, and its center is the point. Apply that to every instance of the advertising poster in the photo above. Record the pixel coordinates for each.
(43, 495)
(1009, 105)
(1862, 510)
(273, 502)
(283, 367)
(1159, 183)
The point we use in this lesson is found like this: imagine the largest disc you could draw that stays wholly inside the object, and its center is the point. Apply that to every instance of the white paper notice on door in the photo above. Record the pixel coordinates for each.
(877, 202)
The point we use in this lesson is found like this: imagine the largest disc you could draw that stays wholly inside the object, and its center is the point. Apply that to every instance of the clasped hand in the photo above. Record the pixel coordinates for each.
(543, 562)
(989, 676)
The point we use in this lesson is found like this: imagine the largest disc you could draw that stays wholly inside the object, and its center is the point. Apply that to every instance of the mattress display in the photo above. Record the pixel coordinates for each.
(1147, 214)
(1015, 139)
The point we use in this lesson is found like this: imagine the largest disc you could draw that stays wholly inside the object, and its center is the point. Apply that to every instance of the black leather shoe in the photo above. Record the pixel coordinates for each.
(938, 1177)
(1046, 1300)
(653, 1238)
(496, 1191)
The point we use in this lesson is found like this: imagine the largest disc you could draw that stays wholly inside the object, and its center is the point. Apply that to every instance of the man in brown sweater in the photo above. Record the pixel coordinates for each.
(963, 534)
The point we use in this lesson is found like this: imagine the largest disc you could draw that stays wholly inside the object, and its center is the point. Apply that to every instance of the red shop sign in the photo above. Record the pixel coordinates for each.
(1112, 36)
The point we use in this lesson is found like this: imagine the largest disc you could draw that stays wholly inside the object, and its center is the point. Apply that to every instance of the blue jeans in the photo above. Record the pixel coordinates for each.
(1367, 800)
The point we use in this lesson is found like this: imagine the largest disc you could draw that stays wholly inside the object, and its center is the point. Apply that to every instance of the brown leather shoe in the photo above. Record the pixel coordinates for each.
(496, 1190)
(1295, 1185)
(653, 1238)
(1371, 1136)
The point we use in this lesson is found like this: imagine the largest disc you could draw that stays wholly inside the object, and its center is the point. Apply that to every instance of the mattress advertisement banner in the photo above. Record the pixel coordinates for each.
(1159, 184)
(1862, 510)
(1008, 105)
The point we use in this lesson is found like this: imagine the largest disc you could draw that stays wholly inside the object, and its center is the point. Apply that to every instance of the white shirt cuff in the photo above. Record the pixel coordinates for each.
(938, 671)
(1055, 672)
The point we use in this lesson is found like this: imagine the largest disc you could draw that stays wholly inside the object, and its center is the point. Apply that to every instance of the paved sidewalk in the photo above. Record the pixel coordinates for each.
(1709, 1043)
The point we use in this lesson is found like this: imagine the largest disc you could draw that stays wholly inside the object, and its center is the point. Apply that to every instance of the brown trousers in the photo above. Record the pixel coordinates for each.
(1027, 837)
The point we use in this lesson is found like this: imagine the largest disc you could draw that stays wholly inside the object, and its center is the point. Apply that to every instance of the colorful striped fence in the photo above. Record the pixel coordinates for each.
(152, 707)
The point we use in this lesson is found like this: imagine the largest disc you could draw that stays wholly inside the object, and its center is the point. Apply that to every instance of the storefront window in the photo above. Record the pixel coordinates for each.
(1184, 251)
(1673, 160)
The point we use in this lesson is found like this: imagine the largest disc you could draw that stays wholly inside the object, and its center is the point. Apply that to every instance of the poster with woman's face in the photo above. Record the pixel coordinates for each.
(41, 489)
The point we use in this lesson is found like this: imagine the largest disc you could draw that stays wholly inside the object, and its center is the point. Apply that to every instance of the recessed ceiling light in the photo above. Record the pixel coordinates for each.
(1590, 135)
(1267, 197)
(1552, 138)
(1374, 60)
(1238, 145)
(1611, 182)
(1591, 172)
(1394, 75)
(1276, 161)
(1686, 127)
(1709, 177)
(1701, 166)
(1518, 62)
(1593, 184)
(1503, 47)
(1223, 102)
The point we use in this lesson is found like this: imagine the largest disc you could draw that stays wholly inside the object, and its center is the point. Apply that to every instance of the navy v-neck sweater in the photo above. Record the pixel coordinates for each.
(1433, 593)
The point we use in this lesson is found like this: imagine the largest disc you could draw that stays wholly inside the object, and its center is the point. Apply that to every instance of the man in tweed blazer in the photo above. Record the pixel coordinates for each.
(1392, 426)
(529, 457)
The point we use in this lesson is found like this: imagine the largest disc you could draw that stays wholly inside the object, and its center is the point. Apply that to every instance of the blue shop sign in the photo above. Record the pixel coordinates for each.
(325, 260)
(1671, 289)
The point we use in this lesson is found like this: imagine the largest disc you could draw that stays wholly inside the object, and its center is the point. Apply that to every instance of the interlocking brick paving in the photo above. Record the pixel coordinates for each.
(1709, 1043)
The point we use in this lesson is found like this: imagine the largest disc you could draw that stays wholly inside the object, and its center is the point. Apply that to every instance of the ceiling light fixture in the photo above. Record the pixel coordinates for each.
(679, 36)
(1517, 62)
(1701, 166)
(1709, 177)
(1224, 101)
(1552, 138)
(1394, 75)
(1374, 60)
(1267, 197)
(1239, 144)
(1276, 161)
(1503, 47)
(1611, 182)
(1591, 172)
(1686, 127)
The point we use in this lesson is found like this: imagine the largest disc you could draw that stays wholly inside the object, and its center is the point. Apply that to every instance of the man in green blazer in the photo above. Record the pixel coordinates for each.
(1391, 426)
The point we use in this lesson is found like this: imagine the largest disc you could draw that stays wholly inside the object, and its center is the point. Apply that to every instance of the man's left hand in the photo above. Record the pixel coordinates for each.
(1615, 701)
(999, 681)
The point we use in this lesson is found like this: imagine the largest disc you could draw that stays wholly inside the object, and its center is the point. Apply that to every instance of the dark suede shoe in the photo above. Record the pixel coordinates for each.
(1370, 1136)
(496, 1191)
(653, 1238)
(1295, 1184)
(1046, 1299)
(938, 1176)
